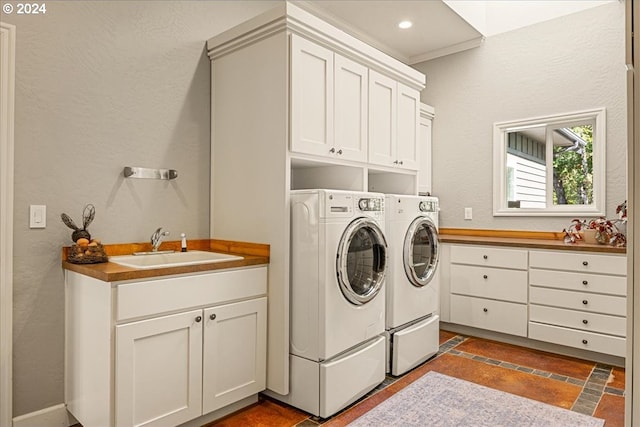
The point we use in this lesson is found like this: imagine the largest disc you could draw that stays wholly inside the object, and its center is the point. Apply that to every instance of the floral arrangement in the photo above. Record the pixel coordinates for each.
(605, 230)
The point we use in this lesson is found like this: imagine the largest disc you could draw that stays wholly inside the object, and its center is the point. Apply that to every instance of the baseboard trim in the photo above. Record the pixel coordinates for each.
(53, 416)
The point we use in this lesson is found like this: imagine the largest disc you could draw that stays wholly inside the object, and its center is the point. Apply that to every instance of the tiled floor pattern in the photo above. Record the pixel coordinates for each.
(582, 386)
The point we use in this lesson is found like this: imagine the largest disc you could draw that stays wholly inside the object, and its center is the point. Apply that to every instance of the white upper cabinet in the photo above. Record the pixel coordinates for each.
(382, 119)
(394, 113)
(351, 97)
(425, 141)
(311, 97)
(328, 103)
(407, 147)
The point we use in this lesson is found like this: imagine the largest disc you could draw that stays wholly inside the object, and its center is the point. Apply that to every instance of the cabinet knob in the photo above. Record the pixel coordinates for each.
(401, 162)
(212, 316)
(333, 150)
(584, 282)
(485, 310)
(585, 321)
(585, 342)
(485, 277)
(340, 151)
(395, 162)
(585, 302)
(199, 319)
(485, 256)
(585, 263)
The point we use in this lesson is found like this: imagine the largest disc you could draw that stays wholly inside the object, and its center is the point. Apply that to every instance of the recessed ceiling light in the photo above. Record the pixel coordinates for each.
(405, 24)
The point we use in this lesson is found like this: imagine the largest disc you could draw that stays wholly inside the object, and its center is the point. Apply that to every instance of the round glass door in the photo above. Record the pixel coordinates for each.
(361, 261)
(421, 251)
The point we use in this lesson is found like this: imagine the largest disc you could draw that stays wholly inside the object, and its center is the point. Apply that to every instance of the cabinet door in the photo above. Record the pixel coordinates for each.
(407, 148)
(351, 96)
(311, 97)
(159, 370)
(425, 167)
(382, 119)
(234, 358)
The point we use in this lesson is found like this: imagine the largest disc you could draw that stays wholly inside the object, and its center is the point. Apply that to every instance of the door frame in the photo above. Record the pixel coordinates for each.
(7, 105)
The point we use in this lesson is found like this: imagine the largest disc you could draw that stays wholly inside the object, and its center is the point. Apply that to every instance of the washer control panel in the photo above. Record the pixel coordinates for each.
(371, 204)
(428, 206)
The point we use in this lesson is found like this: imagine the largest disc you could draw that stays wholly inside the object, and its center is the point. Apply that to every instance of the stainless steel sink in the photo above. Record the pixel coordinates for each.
(173, 259)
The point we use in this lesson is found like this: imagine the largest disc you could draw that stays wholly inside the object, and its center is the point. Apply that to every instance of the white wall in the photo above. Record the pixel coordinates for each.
(571, 63)
(101, 85)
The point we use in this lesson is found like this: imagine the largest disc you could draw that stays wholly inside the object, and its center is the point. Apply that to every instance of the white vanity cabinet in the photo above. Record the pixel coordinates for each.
(578, 300)
(164, 351)
(329, 96)
(489, 288)
(394, 120)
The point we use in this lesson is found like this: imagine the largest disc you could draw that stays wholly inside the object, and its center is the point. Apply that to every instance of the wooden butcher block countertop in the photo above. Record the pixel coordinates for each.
(252, 253)
(517, 238)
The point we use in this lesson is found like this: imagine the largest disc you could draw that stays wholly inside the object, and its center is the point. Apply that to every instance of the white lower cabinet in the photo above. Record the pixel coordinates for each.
(575, 299)
(578, 300)
(234, 353)
(166, 366)
(159, 370)
(489, 288)
(499, 316)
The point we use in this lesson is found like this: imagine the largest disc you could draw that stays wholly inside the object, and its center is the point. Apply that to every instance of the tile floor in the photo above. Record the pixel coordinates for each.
(579, 385)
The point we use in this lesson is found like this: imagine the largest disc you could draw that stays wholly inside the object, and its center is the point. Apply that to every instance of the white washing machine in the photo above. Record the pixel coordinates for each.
(413, 289)
(338, 268)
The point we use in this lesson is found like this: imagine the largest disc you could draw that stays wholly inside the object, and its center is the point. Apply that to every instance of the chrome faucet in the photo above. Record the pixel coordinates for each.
(156, 238)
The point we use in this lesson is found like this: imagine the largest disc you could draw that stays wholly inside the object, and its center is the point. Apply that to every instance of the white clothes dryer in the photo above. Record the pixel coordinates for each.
(337, 318)
(413, 288)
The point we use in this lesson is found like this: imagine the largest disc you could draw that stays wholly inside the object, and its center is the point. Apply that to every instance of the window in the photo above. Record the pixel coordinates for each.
(550, 166)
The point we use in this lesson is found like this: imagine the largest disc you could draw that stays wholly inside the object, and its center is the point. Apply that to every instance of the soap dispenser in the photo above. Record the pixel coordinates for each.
(183, 244)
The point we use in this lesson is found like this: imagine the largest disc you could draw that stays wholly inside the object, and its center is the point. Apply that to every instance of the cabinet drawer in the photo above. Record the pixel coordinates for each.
(594, 303)
(584, 262)
(606, 344)
(489, 256)
(499, 316)
(583, 282)
(585, 321)
(495, 283)
(178, 293)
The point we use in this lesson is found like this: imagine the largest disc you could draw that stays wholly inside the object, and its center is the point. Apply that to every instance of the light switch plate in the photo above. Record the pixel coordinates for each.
(468, 213)
(38, 216)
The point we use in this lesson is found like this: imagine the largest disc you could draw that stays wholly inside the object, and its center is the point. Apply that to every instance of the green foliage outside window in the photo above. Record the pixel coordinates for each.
(573, 170)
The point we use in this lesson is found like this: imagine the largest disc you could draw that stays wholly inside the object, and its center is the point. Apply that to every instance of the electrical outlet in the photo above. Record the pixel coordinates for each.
(468, 213)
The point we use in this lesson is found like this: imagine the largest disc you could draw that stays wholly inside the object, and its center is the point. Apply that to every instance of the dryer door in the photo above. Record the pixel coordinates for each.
(361, 261)
(421, 251)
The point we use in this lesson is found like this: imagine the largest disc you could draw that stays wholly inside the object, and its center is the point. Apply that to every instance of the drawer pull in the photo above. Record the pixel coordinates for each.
(213, 316)
(198, 319)
(584, 282)
(585, 302)
(485, 256)
(585, 321)
(485, 277)
(485, 309)
(585, 263)
(585, 342)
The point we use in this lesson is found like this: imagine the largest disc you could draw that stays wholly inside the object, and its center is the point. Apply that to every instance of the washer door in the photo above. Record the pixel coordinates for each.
(421, 251)
(361, 261)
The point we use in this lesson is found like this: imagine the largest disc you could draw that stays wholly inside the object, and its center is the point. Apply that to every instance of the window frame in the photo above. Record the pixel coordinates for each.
(500, 131)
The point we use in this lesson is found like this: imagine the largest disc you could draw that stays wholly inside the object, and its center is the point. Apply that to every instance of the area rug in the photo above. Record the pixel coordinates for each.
(440, 400)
